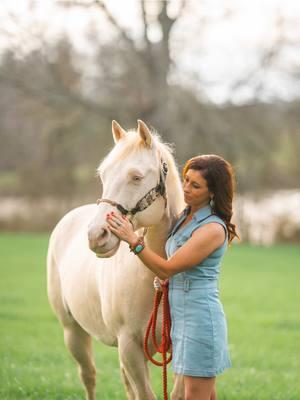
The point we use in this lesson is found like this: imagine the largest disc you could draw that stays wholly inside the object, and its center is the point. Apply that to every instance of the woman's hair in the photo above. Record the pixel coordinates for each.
(219, 176)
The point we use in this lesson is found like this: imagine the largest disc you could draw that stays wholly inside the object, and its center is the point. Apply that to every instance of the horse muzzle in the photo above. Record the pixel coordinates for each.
(109, 253)
(102, 242)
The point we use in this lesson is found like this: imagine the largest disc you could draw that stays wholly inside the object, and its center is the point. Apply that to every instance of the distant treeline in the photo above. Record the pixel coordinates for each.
(55, 122)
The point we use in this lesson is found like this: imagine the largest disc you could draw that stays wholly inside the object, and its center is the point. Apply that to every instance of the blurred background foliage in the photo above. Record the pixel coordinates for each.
(57, 104)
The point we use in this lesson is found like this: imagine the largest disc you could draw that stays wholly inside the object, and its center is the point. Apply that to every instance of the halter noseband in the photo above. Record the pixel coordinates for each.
(148, 199)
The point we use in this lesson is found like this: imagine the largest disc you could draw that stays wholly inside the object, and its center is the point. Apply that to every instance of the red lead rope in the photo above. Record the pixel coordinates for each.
(166, 344)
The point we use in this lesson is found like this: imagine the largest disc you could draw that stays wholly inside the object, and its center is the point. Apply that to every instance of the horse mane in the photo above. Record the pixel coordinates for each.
(173, 182)
(130, 144)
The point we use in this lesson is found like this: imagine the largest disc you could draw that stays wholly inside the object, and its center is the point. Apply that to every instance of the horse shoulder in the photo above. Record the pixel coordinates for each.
(68, 226)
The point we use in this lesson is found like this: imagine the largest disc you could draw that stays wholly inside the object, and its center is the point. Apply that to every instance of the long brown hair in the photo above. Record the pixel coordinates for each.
(220, 179)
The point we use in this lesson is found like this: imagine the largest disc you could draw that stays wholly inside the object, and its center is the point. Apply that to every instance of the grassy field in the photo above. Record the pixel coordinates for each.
(260, 294)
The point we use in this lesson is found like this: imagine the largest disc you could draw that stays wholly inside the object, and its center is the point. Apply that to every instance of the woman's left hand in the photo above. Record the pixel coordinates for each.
(121, 227)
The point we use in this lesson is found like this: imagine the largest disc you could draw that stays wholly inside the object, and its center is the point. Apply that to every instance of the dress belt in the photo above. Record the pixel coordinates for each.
(186, 284)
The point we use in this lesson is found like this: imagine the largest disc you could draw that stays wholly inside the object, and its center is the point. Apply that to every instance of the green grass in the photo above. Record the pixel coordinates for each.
(259, 291)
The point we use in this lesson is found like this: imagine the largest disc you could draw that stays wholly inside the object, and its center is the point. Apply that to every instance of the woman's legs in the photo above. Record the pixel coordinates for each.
(213, 395)
(198, 388)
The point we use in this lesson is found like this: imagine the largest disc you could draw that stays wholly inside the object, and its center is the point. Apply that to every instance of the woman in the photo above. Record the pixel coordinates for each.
(195, 248)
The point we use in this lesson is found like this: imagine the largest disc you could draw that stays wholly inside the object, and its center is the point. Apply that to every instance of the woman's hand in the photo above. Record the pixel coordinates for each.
(121, 227)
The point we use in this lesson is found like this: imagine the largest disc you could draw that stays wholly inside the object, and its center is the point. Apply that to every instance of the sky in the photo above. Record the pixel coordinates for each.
(210, 50)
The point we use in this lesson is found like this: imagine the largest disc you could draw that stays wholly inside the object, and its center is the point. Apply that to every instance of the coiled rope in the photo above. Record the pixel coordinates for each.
(166, 344)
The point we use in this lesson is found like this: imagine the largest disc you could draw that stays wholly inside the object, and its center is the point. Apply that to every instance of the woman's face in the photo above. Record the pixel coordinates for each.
(196, 193)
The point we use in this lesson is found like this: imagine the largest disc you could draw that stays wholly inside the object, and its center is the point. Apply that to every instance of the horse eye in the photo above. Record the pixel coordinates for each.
(137, 178)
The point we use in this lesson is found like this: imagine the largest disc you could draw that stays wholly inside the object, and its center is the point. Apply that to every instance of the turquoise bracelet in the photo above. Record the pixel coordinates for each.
(138, 246)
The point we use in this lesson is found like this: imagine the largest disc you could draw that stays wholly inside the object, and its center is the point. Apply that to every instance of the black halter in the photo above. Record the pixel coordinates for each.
(149, 198)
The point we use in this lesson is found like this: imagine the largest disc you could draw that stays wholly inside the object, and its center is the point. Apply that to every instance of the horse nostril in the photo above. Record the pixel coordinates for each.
(93, 245)
(98, 237)
(103, 236)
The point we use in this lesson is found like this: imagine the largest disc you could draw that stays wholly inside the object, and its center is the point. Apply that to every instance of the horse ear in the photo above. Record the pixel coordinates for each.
(145, 133)
(117, 131)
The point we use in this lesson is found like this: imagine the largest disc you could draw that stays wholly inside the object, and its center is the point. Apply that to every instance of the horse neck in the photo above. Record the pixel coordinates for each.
(157, 234)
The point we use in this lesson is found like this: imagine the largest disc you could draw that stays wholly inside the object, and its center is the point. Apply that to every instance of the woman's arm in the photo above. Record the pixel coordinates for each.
(202, 243)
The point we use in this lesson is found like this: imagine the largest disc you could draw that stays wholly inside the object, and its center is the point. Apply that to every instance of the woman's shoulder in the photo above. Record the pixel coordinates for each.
(220, 221)
(214, 218)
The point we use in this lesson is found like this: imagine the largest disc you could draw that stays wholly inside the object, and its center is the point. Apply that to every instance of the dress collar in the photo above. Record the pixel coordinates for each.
(203, 212)
(200, 214)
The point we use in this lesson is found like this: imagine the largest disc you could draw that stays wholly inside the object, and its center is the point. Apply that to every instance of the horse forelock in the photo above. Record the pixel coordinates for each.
(128, 147)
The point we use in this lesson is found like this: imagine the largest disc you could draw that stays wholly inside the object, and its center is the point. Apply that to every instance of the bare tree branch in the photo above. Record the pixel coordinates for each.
(145, 61)
(166, 24)
(165, 20)
(265, 61)
(56, 99)
(100, 4)
(146, 25)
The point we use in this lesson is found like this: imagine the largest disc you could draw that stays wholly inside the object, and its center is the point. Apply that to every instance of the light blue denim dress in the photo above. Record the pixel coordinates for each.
(199, 329)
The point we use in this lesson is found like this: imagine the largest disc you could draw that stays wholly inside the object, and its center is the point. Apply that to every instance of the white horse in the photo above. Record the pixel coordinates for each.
(96, 286)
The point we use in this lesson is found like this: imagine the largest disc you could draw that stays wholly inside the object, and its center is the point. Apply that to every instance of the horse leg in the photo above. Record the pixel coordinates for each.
(135, 368)
(178, 388)
(77, 340)
(127, 384)
(80, 345)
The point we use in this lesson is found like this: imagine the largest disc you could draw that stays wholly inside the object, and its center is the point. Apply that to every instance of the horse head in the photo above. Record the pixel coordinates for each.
(133, 177)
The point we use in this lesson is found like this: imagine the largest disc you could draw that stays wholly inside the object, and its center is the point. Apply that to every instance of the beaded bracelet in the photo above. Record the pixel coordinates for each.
(138, 246)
